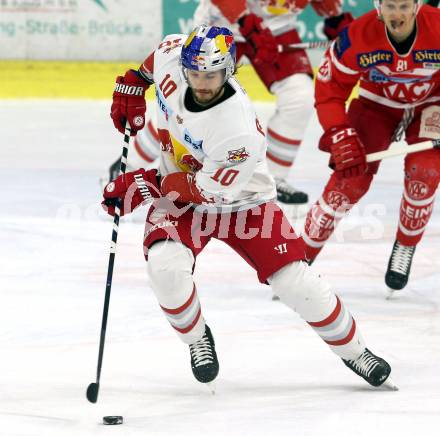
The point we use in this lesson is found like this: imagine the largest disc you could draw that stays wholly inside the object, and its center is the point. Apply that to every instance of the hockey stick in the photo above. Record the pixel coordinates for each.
(304, 46)
(404, 149)
(93, 389)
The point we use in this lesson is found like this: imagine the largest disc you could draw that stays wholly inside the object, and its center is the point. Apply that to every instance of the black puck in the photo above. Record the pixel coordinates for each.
(112, 420)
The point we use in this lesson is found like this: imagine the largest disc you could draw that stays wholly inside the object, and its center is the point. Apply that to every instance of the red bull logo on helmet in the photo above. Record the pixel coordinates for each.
(224, 43)
(198, 60)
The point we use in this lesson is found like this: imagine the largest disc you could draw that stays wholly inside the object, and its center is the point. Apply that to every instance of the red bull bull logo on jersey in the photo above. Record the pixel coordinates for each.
(237, 156)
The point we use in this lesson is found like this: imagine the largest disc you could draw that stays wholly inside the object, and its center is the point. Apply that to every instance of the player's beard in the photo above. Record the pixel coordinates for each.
(205, 97)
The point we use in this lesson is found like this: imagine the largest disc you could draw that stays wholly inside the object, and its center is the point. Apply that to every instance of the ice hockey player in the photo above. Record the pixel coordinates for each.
(213, 165)
(395, 52)
(260, 29)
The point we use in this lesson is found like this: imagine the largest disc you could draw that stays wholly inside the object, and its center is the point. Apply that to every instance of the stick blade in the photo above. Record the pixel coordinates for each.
(92, 392)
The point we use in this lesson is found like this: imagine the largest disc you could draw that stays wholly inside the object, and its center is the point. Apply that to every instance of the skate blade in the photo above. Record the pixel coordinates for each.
(389, 293)
(390, 385)
(211, 387)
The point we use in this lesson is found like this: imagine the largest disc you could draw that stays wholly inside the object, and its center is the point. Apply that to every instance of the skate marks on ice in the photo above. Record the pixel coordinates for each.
(276, 377)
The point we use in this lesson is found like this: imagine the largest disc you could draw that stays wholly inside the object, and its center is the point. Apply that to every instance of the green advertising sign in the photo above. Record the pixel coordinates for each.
(177, 17)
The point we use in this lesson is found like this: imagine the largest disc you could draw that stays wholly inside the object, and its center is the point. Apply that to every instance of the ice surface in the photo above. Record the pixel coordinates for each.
(276, 375)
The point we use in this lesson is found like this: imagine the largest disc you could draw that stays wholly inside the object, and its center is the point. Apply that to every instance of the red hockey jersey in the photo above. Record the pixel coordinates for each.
(364, 52)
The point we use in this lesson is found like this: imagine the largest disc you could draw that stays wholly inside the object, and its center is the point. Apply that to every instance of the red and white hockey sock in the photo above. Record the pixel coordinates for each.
(339, 331)
(415, 212)
(281, 153)
(338, 198)
(320, 224)
(304, 291)
(170, 266)
(187, 319)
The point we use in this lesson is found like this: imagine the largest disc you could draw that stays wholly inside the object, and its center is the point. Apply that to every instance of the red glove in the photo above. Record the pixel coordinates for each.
(260, 38)
(131, 189)
(347, 151)
(184, 184)
(334, 25)
(129, 102)
(327, 8)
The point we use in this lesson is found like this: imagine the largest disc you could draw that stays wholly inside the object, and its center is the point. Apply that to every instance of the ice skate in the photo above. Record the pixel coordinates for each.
(293, 202)
(287, 194)
(373, 369)
(399, 267)
(204, 363)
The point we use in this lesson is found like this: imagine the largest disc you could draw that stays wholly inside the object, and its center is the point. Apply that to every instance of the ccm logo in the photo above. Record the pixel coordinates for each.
(346, 133)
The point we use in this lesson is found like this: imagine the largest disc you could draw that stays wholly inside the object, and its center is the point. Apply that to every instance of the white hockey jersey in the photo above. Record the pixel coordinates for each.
(279, 20)
(224, 145)
(280, 16)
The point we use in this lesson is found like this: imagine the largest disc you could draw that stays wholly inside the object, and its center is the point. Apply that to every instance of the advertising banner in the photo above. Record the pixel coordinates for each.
(79, 29)
(177, 17)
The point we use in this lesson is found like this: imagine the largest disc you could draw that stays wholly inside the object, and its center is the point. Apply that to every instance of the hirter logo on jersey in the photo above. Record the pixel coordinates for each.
(237, 156)
(426, 56)
(367, 60)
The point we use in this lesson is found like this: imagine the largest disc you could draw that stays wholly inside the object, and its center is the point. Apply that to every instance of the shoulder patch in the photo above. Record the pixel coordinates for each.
(342, 43)
(325, 70)
(237, 156)
(168, 45)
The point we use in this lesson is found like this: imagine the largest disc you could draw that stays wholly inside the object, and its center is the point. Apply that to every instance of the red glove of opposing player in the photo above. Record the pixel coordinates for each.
(261, 38)
(131, 189)
(334, 25)
(347, 151)
(129, 102)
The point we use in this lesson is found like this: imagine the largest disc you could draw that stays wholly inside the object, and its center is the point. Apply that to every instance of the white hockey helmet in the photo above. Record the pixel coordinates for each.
(209, 48)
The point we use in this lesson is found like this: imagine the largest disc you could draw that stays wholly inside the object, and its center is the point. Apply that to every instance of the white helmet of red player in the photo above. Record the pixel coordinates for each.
(377, 4)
